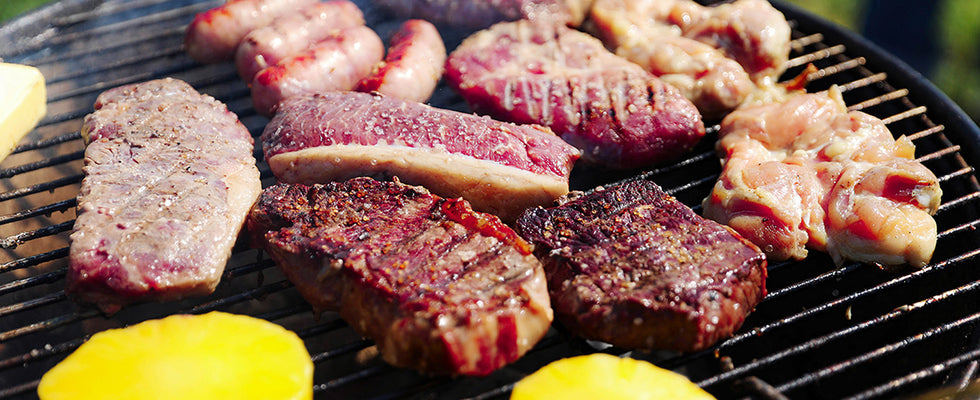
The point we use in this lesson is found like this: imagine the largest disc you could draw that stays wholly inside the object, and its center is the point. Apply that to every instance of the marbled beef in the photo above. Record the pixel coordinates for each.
(169, 177)
(439, 287)
(632, 266)
(620, 115)
(498, 167)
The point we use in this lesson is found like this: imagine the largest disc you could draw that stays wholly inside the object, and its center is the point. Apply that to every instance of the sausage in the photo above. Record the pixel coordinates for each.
(213, 35)
(336, 63)
(414, 64)
(292, 34)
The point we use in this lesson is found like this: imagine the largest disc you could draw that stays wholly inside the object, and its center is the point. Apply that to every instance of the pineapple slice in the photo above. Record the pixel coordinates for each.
(603, 376)
(211, 356)
(23, 101)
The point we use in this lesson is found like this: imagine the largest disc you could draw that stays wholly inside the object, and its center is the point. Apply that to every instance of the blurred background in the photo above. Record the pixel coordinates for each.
(939, 38)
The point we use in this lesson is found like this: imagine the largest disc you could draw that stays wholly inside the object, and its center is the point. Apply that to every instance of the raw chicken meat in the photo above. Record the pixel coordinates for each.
(805, 173)
(715, 55)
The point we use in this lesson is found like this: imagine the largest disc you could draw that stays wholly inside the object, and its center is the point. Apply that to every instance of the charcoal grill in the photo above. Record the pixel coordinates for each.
(854, 331)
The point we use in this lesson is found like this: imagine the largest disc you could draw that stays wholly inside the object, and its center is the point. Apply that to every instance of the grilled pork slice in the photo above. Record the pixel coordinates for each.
(483, 13)
(439, 287)
(620, 115)
(498, 167)
(806, 173)
(169, 177)
(632, 266)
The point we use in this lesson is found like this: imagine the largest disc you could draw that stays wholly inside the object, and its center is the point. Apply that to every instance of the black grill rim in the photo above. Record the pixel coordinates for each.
(906, 85)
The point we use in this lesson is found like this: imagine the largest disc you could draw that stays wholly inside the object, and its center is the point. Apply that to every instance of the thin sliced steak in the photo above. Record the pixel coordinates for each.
(169, 178)
(439, 287)
(632, 266)
(620, 115)
(500, 168)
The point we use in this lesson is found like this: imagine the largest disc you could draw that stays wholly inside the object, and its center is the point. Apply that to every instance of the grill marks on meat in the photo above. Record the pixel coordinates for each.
(715, 55)
(500, 168)
(292, 34)
(806, 173)
(169, 178)
(483, 13)
(336, 63)
(548, 74)
(214, 35)
(439, 287)
(414, 64)
(632, 266)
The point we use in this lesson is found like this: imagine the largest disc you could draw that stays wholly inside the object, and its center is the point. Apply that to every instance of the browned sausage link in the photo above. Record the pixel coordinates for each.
(336, 63)
(413, 66)
(214, 34)
(291, 34)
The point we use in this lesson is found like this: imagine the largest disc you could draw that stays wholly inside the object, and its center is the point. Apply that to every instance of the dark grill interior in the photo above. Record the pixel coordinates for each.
(823, 332)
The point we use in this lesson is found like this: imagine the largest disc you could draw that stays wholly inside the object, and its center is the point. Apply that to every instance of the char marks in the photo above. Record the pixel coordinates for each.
(435, 294)
(632, 266)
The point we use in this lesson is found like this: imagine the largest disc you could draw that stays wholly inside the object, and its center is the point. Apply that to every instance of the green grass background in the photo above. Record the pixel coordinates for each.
(957, 72)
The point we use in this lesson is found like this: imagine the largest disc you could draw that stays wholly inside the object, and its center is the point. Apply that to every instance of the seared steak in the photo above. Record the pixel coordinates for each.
(169, 177)
(632, 266)
(500, 168)
(439, 287)
(620, 115)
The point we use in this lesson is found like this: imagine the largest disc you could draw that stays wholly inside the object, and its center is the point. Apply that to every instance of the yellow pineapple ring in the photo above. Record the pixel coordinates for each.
(212, 356)
(607, 377)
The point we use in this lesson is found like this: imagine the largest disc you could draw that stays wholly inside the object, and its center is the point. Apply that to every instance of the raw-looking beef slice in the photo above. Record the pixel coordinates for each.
(440, 288)
(620, 115)
(169, 178)
(498, 167)
(483, 13)
(292, 34)
(632, 266)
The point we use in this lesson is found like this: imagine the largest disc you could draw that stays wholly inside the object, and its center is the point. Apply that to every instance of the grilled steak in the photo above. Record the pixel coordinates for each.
(439, 287)
(169, 177)
(483, 13)
(632, 266)
(620, 115)
(500, 168)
